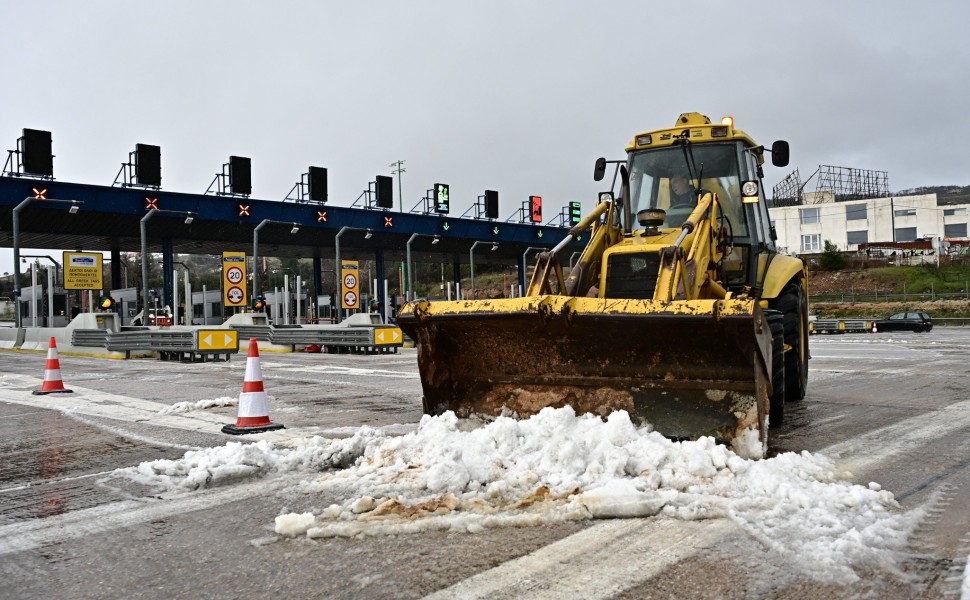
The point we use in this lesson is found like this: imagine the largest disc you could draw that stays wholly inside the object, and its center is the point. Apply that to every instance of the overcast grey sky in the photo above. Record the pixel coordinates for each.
(520, 97)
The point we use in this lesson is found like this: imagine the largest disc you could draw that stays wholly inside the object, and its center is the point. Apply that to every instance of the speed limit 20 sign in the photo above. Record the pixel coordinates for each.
(234, 278)
(349, 280)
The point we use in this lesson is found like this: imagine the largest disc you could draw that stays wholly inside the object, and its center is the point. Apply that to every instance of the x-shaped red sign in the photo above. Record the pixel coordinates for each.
(321, 216)
(243, 210)
(388, 221)
(151, 203)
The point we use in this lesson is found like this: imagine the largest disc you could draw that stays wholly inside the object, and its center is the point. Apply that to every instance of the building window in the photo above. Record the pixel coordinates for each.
(955, 230)
(906, 234)
(905, 212)
(858, 237)
(954, 212)
(812, 243)
(808, 216)
(856, 212)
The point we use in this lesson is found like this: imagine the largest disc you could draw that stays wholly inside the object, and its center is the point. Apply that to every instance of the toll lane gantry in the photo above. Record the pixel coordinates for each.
(115, 219)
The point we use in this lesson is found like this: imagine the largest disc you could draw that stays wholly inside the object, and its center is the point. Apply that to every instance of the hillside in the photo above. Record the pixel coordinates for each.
(942, 291)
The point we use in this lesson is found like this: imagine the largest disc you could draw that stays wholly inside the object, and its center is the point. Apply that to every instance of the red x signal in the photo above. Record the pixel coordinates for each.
(40, 194)
(388, 221)
(151, 203)
(321, 216)
(243, 210)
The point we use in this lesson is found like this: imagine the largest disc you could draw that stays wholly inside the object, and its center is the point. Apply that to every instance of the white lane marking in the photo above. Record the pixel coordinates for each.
(23, 536)
(867, 450)
(92, 403)
(598, 562)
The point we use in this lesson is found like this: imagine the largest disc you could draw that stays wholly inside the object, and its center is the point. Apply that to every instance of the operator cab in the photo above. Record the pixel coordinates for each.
(661, 179)
(715, 158)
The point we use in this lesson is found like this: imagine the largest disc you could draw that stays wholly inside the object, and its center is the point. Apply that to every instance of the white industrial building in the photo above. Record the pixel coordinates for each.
(804, 229)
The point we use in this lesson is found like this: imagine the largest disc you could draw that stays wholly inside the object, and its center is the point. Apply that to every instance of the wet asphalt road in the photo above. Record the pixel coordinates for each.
(889, 407)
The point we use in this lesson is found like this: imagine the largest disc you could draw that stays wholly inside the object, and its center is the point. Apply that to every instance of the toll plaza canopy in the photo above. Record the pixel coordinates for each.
(108, 218)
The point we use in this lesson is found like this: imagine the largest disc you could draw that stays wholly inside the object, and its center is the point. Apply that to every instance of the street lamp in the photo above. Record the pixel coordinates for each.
(57, 265)
(336, 266)
(295, 227)
(435, 239)
(471, 260)
(189, 216)
(75, 205)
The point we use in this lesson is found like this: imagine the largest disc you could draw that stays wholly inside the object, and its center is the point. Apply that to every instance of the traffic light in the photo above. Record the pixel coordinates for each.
(259, 304)
(384, 192)
(106, 302)
(148, 164)
(38, 159)
(535, 204)
(240, 175)
(575, 213)
(441, 203)
(318, 184)
(491, 204)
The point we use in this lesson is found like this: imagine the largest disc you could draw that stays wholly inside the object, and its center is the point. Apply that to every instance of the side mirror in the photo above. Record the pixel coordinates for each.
(779, 153)
(600, 169)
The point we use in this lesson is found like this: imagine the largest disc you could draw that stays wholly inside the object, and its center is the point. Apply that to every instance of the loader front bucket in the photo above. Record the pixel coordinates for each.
(689, 368)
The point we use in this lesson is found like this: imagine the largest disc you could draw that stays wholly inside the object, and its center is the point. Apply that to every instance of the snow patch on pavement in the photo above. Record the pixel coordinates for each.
(554, 467)
(184, 407)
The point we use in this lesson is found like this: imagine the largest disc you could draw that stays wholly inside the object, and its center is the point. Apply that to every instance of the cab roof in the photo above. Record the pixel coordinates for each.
(695, 127)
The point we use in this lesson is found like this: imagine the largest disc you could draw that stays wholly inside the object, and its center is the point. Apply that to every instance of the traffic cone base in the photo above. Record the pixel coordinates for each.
(52, 374)
(253, 405)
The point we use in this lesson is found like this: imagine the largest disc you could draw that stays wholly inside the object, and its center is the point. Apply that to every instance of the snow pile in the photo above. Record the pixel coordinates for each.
(557, 466)
(209, 467)
(184, 407)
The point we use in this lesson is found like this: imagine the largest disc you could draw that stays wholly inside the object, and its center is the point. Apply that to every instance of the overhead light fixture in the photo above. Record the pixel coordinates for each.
(189, 217)
(368, 235)
(435, 240)
(295, 229)
(494, 247)
(74, 208)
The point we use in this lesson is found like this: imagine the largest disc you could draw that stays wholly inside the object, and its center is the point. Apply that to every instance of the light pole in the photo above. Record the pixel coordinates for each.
(400, 169)
(57, 265)
(525, 265)
(471, 261)
(410, 294)
(336, 266)
(175, 293)
(189, 216)
(294, 228)
(75, 205)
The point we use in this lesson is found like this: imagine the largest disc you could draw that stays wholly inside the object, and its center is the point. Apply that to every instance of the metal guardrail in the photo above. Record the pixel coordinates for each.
(260, 332)
(181, 344)
(854, 325)
(89, 337)
(358, 339)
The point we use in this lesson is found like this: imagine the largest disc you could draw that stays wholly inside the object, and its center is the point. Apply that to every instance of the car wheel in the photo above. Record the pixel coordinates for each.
(794, 307)
(776, 413)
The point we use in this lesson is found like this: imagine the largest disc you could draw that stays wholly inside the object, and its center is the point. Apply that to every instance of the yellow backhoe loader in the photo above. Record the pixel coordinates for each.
(680, 310)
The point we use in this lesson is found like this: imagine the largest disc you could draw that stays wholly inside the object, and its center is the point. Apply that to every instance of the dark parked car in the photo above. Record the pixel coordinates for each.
(906, 321)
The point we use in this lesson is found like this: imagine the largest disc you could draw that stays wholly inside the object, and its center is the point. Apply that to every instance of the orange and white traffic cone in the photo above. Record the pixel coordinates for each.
(52, 374)
(253, 416)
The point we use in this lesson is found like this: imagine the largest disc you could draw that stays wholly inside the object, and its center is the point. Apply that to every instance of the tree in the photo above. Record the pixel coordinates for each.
(831, 259)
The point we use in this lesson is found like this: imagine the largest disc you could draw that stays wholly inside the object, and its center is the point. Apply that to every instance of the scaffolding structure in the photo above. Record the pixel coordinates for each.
(834, 183)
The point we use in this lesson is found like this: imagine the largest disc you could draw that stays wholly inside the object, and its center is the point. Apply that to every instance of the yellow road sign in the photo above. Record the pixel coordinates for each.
(218, 339)
(388, 335)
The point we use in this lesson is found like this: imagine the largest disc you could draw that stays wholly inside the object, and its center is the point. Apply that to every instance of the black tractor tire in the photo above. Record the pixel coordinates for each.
(776, 413)
(794, 306)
